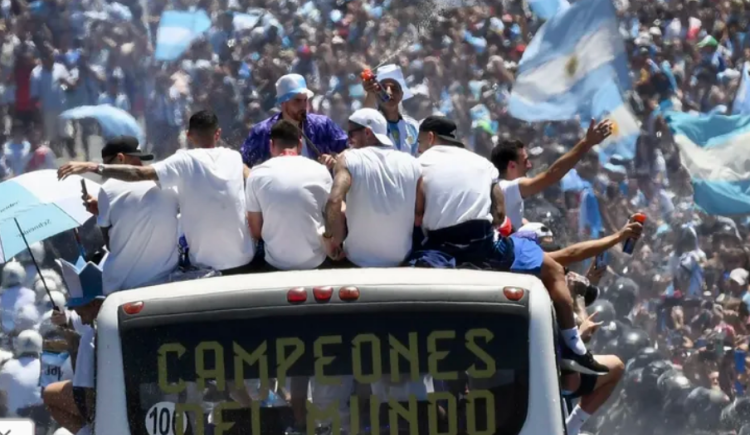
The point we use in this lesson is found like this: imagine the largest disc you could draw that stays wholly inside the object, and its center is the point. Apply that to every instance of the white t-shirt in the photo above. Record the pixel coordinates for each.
(513, 201)
(380, 205)
(11, 301)
(143, 233)
(19, 378)
(211, 192)
(291, 193)
(458, 186)
(83, 375)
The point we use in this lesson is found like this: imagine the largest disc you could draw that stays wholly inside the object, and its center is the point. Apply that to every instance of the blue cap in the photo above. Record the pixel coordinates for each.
(289, 86)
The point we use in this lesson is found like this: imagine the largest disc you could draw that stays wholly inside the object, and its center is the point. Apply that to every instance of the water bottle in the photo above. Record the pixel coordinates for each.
(629, 246)
(382, 94)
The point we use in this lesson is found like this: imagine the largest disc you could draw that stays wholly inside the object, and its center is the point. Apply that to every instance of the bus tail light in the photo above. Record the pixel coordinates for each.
(296, 295)
(133, 307)
(322, 294)
(348, 293)
(513, 293)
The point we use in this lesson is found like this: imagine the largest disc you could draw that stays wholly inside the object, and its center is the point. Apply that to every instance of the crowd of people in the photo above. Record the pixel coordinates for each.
(288, 94)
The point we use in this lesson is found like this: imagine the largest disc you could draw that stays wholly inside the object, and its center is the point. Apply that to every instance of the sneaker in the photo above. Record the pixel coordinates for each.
(585, 364)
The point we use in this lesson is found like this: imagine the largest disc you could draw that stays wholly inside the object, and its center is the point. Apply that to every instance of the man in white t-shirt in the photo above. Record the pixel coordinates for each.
(462, 205)
(512, 161)
(19, 377)
(138, 222)
(210, 183)
(286, 196)
(379, 185)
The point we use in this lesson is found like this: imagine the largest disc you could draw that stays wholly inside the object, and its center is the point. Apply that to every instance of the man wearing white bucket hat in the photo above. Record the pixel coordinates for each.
(323, 139)
(402, 129)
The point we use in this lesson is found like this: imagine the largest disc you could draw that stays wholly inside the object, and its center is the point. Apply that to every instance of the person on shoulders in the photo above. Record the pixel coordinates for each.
(379, 185)
(402, 129)
(138, 222)
(210, 183)
(286, 196)
(326, 139)
(462, 205)
(512, 161)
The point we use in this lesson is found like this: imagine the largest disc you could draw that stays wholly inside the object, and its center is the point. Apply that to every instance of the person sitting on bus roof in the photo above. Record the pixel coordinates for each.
(286, 196)
(462, 207)
(512, 160)
(71, 403)
(138, 222)
(379, 185)
(210, 182)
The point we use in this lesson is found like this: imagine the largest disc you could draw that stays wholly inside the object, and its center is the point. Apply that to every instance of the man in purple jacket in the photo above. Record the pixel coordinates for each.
(323, 139)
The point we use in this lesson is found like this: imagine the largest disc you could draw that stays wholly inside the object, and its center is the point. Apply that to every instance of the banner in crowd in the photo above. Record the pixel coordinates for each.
(715, 150)
(177, 30)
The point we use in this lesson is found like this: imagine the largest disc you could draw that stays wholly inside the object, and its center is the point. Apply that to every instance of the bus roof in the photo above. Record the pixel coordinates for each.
(331, 277)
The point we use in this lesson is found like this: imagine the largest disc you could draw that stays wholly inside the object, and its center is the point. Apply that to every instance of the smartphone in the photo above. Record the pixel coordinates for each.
(601, 261)
(83, 188)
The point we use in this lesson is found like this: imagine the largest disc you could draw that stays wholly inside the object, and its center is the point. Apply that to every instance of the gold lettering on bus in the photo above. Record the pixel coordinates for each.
(242, 357)
(377, 367)
(203, 373)
(219, 424)
(408, 413)
(330, 412)
(489, 362)
(374, 414)
(435, 356)
(471, 412)
(284, 362)
(161, 361)
(321, 360)
(451, 413)
(180, 410)
(354, 412)
(410, 353)
(255, 417)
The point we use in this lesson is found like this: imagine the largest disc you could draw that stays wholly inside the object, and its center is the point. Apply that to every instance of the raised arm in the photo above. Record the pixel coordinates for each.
(591, 248)
(594, 136)
(342, 182)
(118, 172)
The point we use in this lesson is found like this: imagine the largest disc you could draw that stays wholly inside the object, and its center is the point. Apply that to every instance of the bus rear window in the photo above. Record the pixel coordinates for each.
(386, 372)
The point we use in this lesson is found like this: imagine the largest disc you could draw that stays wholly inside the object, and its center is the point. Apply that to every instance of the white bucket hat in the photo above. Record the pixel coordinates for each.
(289, 86)
(375, 121)
(393, 72)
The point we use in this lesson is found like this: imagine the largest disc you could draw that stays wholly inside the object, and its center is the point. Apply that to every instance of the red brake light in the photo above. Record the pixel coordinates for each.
(513, 293)
(348, 293)
(296, 295)
(133, 307)
(322, 294)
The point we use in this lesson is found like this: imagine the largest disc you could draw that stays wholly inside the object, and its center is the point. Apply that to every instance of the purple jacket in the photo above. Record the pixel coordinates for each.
(328, 137)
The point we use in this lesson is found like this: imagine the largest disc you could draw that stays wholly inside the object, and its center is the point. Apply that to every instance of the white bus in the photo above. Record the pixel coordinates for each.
(347, 351)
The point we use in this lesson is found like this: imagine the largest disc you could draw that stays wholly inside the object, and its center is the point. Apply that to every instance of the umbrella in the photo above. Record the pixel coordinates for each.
(113, 121)
(41, 206)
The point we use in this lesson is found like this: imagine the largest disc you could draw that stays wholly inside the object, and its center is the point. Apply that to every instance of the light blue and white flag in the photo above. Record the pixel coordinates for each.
(571, 57)
(546, 9)
(177, 30)
(609, 103)
(715, 150)
(741, 105)
(112, 120)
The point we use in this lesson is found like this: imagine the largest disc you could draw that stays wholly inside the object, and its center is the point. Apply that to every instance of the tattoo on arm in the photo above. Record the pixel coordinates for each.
(129, 173)
(342, 181)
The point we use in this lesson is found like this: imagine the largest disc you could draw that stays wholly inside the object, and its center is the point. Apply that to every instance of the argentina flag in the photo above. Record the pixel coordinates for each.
(546, 9)
(177, 30)
(715, 151)
(571, 57)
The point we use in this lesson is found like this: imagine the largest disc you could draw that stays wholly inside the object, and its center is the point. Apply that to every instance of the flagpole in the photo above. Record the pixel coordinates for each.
(39, 271)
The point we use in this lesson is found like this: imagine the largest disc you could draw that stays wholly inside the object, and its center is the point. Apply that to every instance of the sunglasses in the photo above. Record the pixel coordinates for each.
(354, 130)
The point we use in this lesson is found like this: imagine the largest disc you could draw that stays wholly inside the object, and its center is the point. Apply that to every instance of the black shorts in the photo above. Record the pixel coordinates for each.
(79, 397)
(587, 386)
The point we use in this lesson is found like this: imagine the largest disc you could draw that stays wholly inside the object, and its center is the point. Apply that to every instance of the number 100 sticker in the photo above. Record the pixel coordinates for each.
(162, 419)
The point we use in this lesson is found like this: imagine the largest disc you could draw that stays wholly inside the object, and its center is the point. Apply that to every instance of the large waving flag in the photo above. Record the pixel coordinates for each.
(546, 9)
(715, 150)
(177, 30)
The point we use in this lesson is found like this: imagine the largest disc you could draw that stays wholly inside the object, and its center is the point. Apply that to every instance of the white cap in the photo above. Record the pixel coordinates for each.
(393, 72)
(13, 274)
(37, 249)
(739, 276)
(27, 317)
(41, 292)
(62, 431)
(289, 86)
(375, 121)
(537, 228)
(28, 341)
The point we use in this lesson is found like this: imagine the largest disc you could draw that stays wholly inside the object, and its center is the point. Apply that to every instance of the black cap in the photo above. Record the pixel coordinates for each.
(443, 128)
(127, 145)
